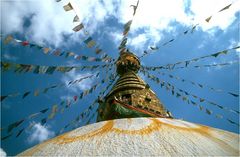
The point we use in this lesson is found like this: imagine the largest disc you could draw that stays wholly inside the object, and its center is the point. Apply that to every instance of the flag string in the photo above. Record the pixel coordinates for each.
(172, 88)
(42, 69)
(57, 108)
(127, 26)
(198, 84)
(56, 52)
(191, 30)
(187, 62)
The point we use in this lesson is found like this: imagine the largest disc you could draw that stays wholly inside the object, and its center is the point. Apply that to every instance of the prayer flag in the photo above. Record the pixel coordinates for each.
(233, 94)
(14, 125)
(36, 92)
(20, 132)
(57, 52)
(128, 24)
(91, 44)
(33, 115)
(54, 111)
(134, 8)
(78, 27)
(50, 70)
(154, 48)
(208, 19)
(26, 94)
(4, 138)
(233, 122)
(208, 112)
(194, 27)
(8, 39)
(68, 7)
(46, 50)
(45, 110)
(43, 121)
(76, 19)
(75, 98)
(202, 100)
(98, 50)
(3, 97)
(178, 95)
(219, 116)
(25, 43)
(227, 7)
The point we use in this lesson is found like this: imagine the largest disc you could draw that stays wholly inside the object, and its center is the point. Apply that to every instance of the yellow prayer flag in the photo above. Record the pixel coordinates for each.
(8, 39)
(71, 54)
(46, 50)
(54, 111)
(36, 92)
(78, 27)
(68, 7)
(91, 44)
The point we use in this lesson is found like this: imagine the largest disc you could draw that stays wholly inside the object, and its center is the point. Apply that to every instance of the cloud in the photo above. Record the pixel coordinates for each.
(205, 8)
(39, 133)
(9, 57)
(2, 153)
(74, 75)
(46, 22)
(234, 43)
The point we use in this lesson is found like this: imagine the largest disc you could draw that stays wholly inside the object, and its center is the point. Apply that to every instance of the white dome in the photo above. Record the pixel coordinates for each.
(140, 137)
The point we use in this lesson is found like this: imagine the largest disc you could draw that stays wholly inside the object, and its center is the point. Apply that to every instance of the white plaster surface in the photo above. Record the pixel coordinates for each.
(140, 137)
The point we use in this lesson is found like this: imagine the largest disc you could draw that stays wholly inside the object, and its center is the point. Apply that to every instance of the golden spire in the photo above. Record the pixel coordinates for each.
(130, 96)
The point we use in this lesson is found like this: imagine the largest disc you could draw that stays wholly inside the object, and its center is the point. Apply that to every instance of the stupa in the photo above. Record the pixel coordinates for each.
(132, 121)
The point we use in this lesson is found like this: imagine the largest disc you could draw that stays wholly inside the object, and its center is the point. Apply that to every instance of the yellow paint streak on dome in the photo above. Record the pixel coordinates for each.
(155, 125)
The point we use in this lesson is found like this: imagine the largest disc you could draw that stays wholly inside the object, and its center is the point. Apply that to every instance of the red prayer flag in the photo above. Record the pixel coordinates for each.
(25, 43)
(75, 98)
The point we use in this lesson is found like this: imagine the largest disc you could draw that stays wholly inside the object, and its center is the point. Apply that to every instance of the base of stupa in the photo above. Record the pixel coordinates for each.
(140, 137)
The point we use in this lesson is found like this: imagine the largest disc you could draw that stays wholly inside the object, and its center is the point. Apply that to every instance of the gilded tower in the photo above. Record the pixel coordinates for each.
(130, 96)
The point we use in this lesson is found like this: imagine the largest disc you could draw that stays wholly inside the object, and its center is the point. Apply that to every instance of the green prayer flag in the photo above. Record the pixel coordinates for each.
(208, 112)
(202, 100)
(178, 95)
(20, 132)
(44, 110)
(3, 97)
(14, 125)
(219, 116)
(6, 137)
(43, 121)
(26, 94)
(233, 94)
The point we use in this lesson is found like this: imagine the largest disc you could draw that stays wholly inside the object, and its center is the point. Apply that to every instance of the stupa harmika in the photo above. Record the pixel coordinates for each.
(135, 122)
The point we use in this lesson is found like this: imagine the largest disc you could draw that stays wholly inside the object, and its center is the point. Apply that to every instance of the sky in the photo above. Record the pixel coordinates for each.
(46, 23)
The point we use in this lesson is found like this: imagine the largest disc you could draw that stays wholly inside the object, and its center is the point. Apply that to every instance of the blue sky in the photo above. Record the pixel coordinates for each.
(46, 23)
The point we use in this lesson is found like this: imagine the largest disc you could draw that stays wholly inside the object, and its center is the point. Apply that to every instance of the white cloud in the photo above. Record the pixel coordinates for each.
(2, 153)
(205, 8)
(234, 43)
(39, 133)
(9, 57)
(48, 22)
(83, 85)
